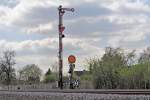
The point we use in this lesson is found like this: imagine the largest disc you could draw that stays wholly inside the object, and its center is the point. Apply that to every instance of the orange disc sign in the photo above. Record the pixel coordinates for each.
(71, 59)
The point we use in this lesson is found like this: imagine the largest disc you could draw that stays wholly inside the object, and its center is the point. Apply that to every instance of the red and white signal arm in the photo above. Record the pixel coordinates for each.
(62, 29)
(71, 59)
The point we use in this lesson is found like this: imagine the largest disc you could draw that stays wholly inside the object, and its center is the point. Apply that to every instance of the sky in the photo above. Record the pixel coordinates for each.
(30, 28)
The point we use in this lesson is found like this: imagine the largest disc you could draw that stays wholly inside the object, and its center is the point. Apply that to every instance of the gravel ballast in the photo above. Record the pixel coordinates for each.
(67, 96)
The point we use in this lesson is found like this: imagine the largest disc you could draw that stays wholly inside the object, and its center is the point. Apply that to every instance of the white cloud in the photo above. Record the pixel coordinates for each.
(42, 28)
(134, 37)
(120, 5)
(44, 52)
(94, 25)
(138, 6)
(126, 38)
(125, 19)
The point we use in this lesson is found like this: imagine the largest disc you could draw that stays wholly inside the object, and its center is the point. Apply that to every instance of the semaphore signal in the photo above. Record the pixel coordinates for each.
(61, 28)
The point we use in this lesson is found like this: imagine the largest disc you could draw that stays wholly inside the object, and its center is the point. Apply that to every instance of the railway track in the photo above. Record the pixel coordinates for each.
(120, 92)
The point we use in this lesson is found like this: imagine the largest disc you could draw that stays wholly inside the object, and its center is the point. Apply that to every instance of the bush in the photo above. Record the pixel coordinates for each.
(50, 78)
(117, 70)
(86, 77)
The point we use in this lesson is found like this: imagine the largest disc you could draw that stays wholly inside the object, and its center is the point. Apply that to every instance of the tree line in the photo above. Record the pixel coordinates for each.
(117, 69)
(29, 74)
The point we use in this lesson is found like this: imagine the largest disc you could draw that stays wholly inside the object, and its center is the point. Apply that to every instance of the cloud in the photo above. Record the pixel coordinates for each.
(44, 52)
(42, 28)
(9, 3)
(94, 25)
(128, 40)
(96, 16)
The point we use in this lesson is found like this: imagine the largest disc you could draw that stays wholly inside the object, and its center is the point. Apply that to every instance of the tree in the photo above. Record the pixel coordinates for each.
(50, 76)
(145, 56)
(30, 73)
(106, 70)
(55, 67)
(49, 72)
(7, 62)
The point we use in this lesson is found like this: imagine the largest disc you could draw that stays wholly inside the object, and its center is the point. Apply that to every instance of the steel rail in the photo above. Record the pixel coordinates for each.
(120, 92)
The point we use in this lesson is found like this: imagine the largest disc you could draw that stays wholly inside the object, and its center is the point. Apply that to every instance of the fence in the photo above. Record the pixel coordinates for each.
(42, 86)
(29, 87)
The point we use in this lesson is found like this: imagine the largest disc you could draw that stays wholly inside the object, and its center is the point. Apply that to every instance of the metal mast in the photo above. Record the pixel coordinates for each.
(61, 28)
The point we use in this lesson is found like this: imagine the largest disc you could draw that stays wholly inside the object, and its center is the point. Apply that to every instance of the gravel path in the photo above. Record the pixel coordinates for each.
(67, 96)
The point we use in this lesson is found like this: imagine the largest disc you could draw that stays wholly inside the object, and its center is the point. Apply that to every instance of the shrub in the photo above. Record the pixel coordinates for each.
(50, 78)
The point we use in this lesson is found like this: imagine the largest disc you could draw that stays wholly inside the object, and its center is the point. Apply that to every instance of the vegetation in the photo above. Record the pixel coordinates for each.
(116, 69)
(30, 73)
(86, 77)
(7, 72)
(49, 76)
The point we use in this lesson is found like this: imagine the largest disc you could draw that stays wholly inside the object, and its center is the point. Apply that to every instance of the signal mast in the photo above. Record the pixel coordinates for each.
(61, 28)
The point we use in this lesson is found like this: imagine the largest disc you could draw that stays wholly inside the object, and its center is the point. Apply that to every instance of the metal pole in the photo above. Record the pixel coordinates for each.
(61, 36)
(60, 83)
(72, 66)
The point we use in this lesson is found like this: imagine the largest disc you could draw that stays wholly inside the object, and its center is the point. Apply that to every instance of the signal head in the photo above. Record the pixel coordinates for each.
(72, 9)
